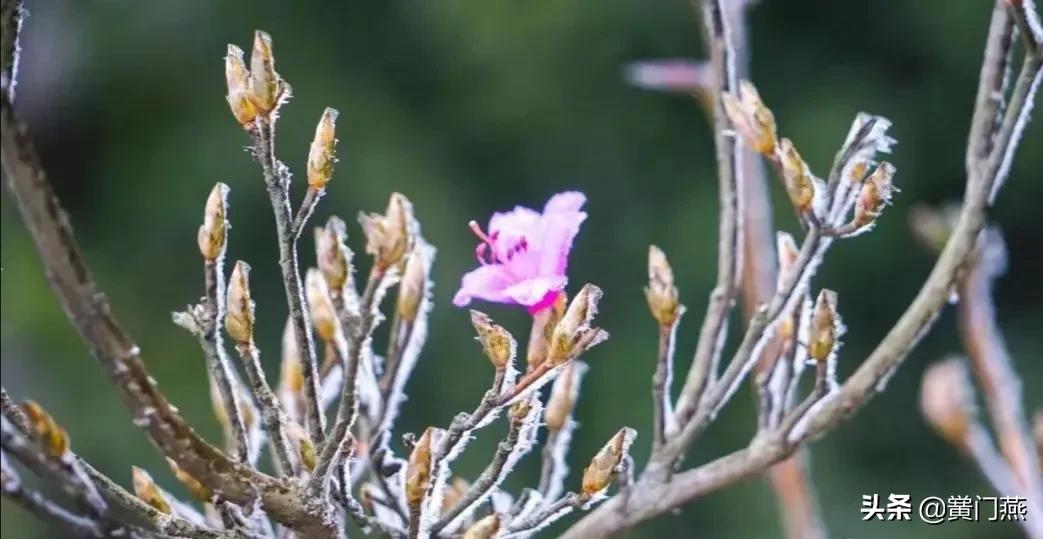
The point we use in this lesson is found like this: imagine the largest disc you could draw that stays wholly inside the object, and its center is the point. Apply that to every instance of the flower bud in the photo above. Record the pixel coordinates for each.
(486, 528)
(292, 370)
(876, 193)
(661, 292)
(543, 324)
(750, 118)
(497, 343)
(606, 463)
(51, 437)
(800, 185)
(239, 87)
(390, 236)
(213, 231)
(321, 155)
(333, 255)
(413, 287)
(323, 315)
(947, 399)
(198, 490)
(825, 326)
(147, 491)
(265, 84)
(239, 321)
(574, 334)
(788, 254)
(931, 226)
(454, 492)
(563, 396)
(418, 469)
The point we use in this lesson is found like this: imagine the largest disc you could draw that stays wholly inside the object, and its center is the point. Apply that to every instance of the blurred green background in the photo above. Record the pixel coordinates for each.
(469, 107)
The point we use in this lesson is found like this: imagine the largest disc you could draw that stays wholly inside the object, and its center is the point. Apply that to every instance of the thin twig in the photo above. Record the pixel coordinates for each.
(276, 179)
(545, 517)
(662, 410)
(520, 438)
(45, 509)
(713, 332)
(272, 414)
(993, 366)
(308, 204)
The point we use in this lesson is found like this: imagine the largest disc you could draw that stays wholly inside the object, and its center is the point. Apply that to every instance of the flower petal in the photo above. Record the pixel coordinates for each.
(487, 282)
(533, 292)
(569, 201)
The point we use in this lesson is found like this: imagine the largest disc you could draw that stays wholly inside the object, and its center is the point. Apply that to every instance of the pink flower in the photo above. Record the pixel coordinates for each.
(524, 254)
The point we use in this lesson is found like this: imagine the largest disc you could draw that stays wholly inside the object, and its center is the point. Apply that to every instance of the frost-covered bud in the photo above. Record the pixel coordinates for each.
(497, 343)
(147, 491)
(198, 490)
(418, 469)
(750, 118)
(800, 184)
(788, 254)
(212, 236)
(825, 326)
(265, 85)
(574, 334)
(661, 292)
(323, 315)
(333, 255)
(486, 528)
(239, 322)
(292, 369)
(321, 156)
(390, 236)
(413, 286)
(51, 437)
(563, 395)
(947, 399)
(876, 193)
(238, 79)
(606, 463)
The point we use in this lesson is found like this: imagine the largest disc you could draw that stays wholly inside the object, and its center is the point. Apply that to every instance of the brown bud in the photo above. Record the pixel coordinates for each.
(292, 370)
(947, 399)
(563, 396)
(51, 437)
(876, 193)
(217, 405)
(932, 227)
(486, 528)
(239, 321)
(661, 292)
(418, 469)
(413, 287)
(238, 80)
(323, 315)
(333, 255)
(543, 324)
(213, 231)
(321, 155)
(454, 492)
(198, 490)
(825, 326)
(147, 490)
(750, 118)
(520, 410)
(497, 343)
(265, 84)
(574, 334)
(858, 171)
(390, 236)
(606, 463)
(800, 185)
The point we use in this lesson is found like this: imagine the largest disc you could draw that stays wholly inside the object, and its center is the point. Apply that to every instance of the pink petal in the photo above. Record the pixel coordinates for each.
(569, 201)
(488, 282)
(532, 292)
